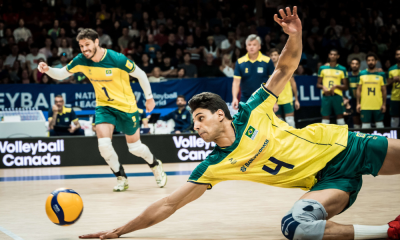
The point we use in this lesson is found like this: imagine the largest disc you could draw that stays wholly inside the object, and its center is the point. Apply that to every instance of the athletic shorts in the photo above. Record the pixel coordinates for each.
(332, 104)
(353, 104)
(368, 115)
(285, 109)
(128, 123)
(364, 155)
(395, 108)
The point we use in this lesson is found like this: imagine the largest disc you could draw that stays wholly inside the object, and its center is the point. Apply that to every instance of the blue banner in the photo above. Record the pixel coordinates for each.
(82, 95)
(308, 93)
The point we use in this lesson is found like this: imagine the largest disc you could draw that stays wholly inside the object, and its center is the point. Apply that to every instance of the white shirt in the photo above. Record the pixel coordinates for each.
(134, 33)
(228, 71)
(105, 39)
(34, 60)
(225, 45)
(46, 52)
(11, 59)
(22, 34)
(68, 51)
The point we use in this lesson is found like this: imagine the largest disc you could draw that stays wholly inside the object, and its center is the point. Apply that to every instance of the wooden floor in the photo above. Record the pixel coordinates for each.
(231, 210)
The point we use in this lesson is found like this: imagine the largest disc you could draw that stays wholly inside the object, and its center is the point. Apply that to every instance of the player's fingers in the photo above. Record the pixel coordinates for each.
(288, 12)
(283, 15)
(277, 20)
(295, 11)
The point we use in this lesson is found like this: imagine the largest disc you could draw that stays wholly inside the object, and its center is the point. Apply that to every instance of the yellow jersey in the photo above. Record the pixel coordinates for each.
(394, 71)
(110, 79)
(371, 92)
(267, 150)
(287, 95)
(332, 76)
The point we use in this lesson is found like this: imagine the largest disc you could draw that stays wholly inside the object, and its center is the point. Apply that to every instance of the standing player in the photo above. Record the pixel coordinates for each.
(354, 79)
(256, 146)
(332, 79)
(394, 77)
(285, 100)
(109, 72)
(371, 94)
(250, 71)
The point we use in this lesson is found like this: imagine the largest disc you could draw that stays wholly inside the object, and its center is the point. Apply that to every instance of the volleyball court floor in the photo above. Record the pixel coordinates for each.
(231, 210)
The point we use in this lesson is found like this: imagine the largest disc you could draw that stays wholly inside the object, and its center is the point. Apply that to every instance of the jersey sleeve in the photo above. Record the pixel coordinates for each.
(391, 74)
(262, 99)
(345, 75)
(237, 73)
(125, 63)
(320, 72)
(73, 66)
(73, 116)
(203, 174)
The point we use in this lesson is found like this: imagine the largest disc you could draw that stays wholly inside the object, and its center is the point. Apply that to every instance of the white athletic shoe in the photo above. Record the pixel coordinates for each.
(159, 174)
(122, 184)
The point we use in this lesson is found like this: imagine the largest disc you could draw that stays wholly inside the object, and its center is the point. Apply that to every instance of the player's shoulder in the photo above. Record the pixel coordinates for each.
(243, 59)
(341, 67)
(364, 72)
(394, 67)
(265, 59)
(80, 59)
(324, 67)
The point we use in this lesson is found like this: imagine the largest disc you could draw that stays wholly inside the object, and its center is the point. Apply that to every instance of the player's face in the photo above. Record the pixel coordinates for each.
(88, 47)
(398, 55)
(333, 56)
(253, 47)
(180, 102)
(59, 102)
(207, 124)
(355, 65)
(274, 57)
(371, 62)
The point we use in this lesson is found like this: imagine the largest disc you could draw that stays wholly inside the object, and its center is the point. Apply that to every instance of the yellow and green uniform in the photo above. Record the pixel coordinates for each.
(116, 103)
(353, 84)
(371, 95)
(332, 76)
(285, 100)
(267, 150)
(394, 71)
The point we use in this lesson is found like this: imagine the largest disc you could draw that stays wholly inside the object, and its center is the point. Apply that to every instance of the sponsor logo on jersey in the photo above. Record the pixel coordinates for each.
(108, 72)
(251, 132)
(233, 161)
(260, 70)
(246, 165)
(129, 65)
(246, 70)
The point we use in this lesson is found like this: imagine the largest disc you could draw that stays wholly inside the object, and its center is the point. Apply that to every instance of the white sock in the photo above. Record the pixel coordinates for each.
(290, 121)
(108, 153)
(340, 121)
(394, 122)
(379, 125)
(326, 121)
(370, 232)
(141, 150)
(356, 126)
(366, 125)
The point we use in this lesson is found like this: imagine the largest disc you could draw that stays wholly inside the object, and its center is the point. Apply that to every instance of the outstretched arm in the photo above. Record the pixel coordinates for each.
(156, 212)
(291, 53)
(55, 73)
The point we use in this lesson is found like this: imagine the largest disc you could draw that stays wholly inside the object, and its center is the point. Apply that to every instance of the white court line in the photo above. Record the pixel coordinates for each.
(10, 234)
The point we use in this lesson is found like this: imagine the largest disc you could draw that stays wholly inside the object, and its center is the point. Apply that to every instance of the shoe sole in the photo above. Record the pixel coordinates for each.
(166, 180)
(125, 188)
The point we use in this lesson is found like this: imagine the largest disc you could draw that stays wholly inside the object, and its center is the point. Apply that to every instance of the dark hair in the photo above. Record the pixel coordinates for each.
(334, 50)
(187, 53)
(358, 60)
(398, 48)
(210, 101)
(371, 55)
(59, 95)
(181, 96)
(87, 33)
(273, 50)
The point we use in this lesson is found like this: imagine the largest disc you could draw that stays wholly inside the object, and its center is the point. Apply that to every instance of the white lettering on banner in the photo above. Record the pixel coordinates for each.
(2, 100)
(19, 147)
(26, 100)
(313, 98)
(302, 97)
(12, 99)
(185, 154)
(392, 134)
(41, 101)
(192, 142)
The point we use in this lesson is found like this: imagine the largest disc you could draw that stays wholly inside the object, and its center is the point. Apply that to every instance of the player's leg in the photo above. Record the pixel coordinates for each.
(339, 109)
(394, 113)
(391, 164)
(355, 115)
(366, 117)
(279, 113)
(289, 114)
(326, 109)
(378, 117)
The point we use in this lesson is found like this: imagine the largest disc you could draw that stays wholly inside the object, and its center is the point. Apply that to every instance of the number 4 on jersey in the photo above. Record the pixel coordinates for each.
(279, 165)
(105, 91)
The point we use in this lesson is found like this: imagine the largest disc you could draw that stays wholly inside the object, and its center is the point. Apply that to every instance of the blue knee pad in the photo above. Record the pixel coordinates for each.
(305, 221)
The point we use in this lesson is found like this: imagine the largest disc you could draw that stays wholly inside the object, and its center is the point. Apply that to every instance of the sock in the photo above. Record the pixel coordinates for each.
(340, 121)
(366, 125)
(290, 121)
(356, 126)
(141, 150)
(108, 153)
(120, 173)
(370, 232)
(394, 122)
(379, 125)
(326, 121)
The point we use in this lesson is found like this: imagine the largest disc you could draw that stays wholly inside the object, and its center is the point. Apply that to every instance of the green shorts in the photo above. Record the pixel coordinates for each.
(366, 116)
(364, 155)
(285, 109)
(330, 103)
(395, 108)
(127, 123)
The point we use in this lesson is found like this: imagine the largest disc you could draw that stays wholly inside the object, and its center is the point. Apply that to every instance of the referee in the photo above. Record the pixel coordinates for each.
(251, 71)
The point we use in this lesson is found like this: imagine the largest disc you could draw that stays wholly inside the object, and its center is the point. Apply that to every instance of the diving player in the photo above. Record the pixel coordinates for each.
(256, 146)
(109, 73)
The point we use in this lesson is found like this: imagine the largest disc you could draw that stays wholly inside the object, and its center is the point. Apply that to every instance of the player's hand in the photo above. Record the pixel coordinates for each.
(290, 23)
(332, 90)
(43, 67)
(296, 105)
(396, 79)
(71, 129)
(102, 235)
(150, 104)
(383, 108)
(358, 108)
(276, 107)
(55, 109)
(235, 103)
